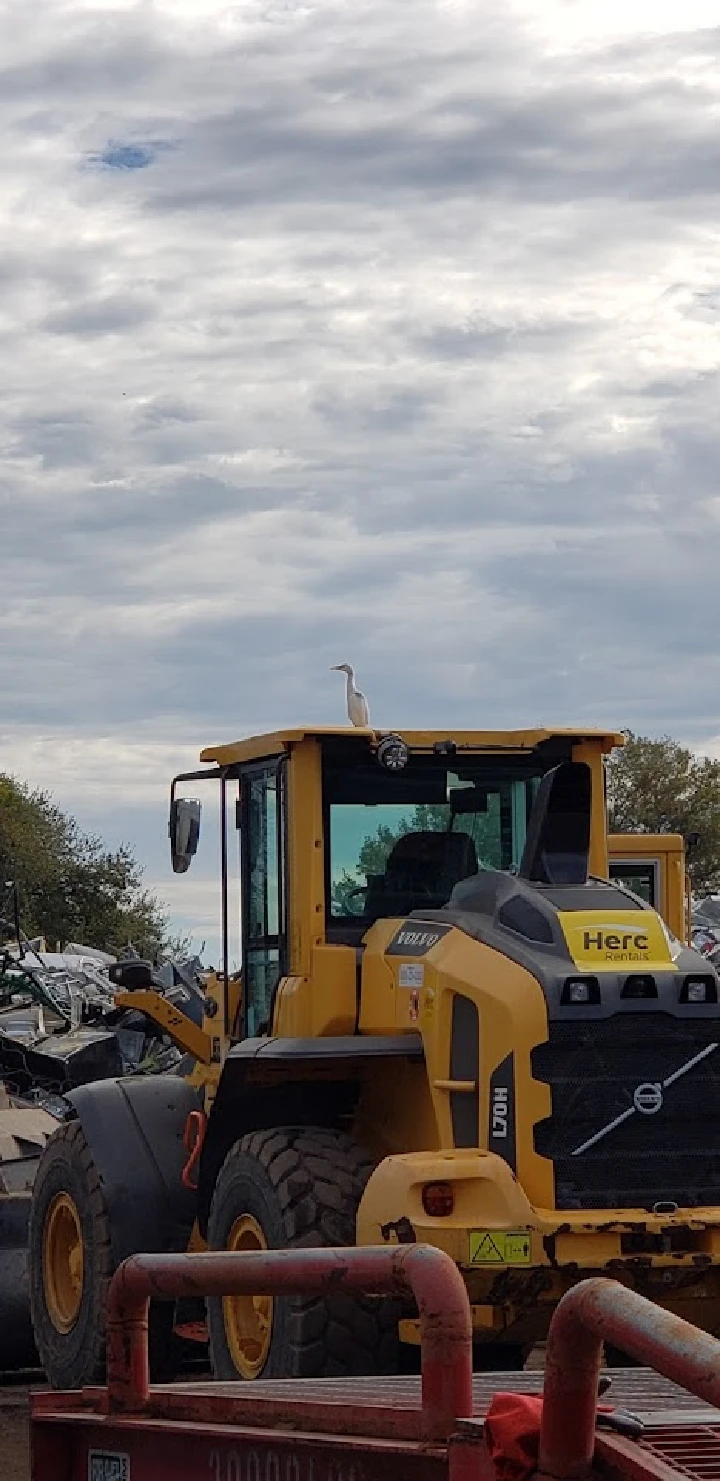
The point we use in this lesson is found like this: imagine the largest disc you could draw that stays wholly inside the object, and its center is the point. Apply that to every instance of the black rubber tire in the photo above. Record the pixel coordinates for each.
(77, 1357)
(303, 1185)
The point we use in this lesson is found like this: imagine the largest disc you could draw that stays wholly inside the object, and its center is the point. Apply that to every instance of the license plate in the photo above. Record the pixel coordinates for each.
(107, 1465)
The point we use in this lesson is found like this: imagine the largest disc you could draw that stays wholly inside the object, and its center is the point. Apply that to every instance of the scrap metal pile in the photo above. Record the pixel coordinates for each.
(60, 1026)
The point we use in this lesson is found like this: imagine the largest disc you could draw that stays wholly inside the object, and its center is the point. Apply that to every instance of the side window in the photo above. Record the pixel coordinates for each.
(262, 816)
(640, 877)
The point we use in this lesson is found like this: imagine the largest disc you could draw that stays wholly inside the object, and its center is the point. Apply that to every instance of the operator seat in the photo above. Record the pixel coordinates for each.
(421, 872)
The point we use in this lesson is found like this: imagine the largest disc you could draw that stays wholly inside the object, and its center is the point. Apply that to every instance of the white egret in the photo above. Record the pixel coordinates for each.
(357, 706)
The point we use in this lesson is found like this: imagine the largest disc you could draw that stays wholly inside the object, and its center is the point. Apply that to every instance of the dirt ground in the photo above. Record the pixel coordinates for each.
(14, 1436)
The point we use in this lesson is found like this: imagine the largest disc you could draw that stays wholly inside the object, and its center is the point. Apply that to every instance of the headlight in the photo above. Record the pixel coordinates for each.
(578, 990)
(699, 990)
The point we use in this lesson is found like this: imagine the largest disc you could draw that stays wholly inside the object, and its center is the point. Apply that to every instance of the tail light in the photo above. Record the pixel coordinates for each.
(438, 1199)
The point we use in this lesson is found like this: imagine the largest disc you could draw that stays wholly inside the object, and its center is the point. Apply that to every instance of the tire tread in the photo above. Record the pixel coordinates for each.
(318, 1176)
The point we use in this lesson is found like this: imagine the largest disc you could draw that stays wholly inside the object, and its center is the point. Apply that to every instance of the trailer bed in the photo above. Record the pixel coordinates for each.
(358, 1429)
(429, 1428)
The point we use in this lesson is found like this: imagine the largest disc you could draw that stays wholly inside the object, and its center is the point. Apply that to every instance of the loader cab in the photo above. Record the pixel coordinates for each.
(396, 842)
(325, 832)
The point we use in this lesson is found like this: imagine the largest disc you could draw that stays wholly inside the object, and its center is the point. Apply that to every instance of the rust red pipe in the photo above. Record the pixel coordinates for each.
(431, 1276)
(603, 1310)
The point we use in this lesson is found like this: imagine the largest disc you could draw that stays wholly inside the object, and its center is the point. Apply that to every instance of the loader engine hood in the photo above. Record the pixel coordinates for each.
(569, 929)
(596, 934)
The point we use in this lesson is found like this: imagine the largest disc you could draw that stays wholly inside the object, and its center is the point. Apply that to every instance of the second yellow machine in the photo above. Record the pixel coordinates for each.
(452, 1027)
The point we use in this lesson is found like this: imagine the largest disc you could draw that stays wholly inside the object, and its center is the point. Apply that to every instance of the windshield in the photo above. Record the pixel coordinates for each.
(402, 842)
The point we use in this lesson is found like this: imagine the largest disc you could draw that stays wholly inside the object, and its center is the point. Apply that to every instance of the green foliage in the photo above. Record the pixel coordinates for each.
(71, 887)
(658, 786)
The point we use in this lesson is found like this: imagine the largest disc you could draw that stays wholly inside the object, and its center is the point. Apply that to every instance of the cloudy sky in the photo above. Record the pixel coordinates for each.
(383, 331)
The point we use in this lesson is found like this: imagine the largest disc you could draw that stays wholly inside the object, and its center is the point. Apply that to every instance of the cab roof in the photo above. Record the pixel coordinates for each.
(277, 741)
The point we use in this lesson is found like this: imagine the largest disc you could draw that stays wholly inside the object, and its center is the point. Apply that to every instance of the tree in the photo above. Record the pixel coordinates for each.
(71, 887)
(659, 786)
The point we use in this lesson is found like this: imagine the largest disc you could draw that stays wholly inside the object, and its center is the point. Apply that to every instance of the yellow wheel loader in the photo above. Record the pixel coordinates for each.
(452, 1027)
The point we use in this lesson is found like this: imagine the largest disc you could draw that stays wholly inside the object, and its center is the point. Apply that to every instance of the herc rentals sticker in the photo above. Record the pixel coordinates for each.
(628, 938)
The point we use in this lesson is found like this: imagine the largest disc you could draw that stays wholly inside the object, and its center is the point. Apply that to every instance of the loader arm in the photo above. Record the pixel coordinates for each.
(185, 1034)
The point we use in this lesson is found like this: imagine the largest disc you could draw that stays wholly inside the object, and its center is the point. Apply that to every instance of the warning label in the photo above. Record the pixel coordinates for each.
(496, 1247)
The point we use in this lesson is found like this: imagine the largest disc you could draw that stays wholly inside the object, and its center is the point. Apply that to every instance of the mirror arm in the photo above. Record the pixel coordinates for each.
(194, 776)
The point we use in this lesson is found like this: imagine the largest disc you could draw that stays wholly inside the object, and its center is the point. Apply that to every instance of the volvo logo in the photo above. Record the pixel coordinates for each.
(648, 1098)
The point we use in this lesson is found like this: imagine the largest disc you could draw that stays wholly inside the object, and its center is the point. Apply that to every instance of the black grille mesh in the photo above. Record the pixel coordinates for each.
(593, 1069)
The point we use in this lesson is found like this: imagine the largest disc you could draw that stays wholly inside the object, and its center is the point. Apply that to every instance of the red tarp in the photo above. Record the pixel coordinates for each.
(512, 1434)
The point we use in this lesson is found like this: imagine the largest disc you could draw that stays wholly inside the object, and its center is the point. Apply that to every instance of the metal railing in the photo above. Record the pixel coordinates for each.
(428, 1273)
(597, 1311)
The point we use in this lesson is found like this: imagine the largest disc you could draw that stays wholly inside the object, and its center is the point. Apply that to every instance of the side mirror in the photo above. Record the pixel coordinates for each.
(184, 832)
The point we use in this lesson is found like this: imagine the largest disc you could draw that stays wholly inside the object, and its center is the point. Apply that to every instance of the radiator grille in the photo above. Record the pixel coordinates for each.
(594, 1070)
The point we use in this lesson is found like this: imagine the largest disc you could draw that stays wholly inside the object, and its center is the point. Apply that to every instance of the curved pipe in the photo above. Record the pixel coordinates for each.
(601, 1310)
(431, 1276)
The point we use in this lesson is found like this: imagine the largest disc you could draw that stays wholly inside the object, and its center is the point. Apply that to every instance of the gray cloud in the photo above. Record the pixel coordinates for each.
(109, 315)
(400, 347)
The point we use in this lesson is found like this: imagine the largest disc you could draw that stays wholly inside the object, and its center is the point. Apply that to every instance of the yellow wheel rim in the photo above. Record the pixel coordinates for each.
(248, 1319)
(63, 1262)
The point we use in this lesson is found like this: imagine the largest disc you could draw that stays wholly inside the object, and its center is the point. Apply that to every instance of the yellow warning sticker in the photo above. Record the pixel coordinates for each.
(496, 1247)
